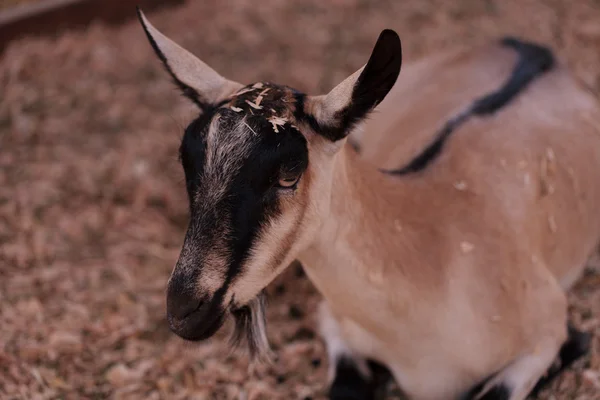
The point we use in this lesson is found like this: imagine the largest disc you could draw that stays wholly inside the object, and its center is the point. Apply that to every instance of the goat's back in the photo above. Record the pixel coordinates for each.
(529, 170)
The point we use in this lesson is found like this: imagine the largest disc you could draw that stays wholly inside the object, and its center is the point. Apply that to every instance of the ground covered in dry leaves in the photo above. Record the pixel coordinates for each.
(92, 202)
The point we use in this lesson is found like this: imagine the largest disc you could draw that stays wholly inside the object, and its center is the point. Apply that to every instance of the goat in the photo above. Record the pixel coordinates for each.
(443, 250)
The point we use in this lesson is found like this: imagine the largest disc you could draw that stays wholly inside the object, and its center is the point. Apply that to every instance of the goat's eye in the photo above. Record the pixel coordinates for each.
(288, 181)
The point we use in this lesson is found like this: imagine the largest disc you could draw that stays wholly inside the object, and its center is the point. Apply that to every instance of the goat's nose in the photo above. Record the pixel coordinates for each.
(182, 297)
(181, 303)
(190, 316)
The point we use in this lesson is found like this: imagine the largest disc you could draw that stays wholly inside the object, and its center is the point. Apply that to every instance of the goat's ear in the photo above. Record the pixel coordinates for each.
(335, 114)
(203, 85)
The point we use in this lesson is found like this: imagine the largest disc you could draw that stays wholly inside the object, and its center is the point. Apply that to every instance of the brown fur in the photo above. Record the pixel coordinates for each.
(448, 275)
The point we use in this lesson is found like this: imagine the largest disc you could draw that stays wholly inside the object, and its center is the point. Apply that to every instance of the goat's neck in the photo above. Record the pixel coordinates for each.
(367, 239)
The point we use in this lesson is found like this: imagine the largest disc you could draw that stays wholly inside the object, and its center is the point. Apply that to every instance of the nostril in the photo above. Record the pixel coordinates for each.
(188, 308)
(192, 313)
(180, 305)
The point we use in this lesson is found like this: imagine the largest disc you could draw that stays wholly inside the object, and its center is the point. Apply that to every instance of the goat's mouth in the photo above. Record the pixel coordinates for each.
(249, 325)
(200, 324)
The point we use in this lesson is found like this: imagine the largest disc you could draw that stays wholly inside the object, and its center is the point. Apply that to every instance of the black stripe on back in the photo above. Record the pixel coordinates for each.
(533, 61)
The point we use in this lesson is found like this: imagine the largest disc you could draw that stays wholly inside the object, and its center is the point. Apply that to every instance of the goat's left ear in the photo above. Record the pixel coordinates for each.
(199, 82)
(335, 114)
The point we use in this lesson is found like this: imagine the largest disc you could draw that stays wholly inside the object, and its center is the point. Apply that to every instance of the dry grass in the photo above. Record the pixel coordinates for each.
(93, 210)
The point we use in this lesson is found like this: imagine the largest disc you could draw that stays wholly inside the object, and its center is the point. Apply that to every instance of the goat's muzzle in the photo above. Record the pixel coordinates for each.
(192, 317)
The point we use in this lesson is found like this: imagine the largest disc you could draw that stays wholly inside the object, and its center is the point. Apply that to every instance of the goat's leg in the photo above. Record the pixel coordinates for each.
(349, 375)
(519, 377)
(576, 346)
(547, 334)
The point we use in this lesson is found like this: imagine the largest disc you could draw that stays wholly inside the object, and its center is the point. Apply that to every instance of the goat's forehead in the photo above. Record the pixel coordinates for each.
(253, 113)
(258, 119)
(276, 103)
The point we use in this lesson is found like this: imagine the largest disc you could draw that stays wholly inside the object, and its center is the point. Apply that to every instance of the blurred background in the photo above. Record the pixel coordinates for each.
(92, 200)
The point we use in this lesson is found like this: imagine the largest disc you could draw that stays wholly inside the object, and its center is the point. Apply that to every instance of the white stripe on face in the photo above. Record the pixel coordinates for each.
(227, 145)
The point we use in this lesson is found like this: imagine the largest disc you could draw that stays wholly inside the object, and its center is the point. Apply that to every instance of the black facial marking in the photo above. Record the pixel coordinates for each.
(192, 151)
(301, 115)
(533, 61)
(274, 146)
(253, 196)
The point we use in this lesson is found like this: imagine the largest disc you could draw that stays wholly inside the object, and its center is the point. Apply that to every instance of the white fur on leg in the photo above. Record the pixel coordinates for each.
(336, 346)
(521, 375)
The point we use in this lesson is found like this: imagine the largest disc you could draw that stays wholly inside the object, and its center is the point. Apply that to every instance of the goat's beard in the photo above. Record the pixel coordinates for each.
(251, 327)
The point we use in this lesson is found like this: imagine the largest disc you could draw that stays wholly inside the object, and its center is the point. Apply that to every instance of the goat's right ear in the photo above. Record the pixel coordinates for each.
(203, 85)
(336, 113)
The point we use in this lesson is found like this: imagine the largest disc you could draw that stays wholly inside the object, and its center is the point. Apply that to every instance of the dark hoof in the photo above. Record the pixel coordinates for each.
(349, 384)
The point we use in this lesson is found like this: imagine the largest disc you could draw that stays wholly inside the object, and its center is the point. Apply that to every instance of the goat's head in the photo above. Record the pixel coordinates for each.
(258, 165)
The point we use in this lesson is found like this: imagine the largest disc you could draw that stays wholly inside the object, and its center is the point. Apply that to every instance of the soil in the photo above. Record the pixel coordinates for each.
(93, 206)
